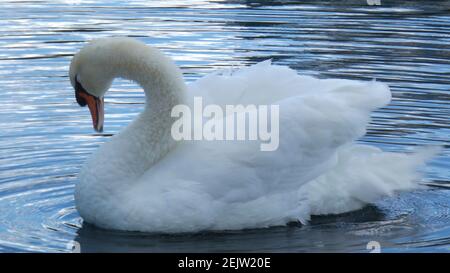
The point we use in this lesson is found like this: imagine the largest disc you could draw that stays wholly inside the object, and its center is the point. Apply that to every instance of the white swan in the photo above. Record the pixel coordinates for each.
(143, 180)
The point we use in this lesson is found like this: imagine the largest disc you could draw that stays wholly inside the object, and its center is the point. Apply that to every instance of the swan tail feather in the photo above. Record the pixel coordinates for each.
(365, 174)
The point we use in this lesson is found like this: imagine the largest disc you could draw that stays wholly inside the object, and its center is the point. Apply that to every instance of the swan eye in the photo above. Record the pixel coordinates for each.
(79, 92)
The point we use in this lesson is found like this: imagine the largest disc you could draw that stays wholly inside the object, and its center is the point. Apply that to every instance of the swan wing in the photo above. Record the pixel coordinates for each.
(316, 117)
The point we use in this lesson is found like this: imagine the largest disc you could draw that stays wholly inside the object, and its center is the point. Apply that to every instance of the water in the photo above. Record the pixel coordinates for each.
(45, 137)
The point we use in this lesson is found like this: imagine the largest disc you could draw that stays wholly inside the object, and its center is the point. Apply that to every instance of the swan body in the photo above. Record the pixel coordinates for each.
(144, 180)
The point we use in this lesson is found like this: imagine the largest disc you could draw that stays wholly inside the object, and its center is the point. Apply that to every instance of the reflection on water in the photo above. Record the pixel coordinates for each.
(45, 137)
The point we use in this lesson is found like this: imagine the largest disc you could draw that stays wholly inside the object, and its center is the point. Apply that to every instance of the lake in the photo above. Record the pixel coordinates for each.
(45, 136)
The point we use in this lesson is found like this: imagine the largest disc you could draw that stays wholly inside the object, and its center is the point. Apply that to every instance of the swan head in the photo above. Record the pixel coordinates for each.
(91, 76)
(94, 67)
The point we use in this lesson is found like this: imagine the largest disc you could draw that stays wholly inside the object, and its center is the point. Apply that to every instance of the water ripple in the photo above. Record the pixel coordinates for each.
(45, 137)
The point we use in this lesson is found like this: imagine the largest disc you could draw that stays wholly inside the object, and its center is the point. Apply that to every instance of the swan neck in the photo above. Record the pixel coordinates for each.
(158, 75)
(148, 138)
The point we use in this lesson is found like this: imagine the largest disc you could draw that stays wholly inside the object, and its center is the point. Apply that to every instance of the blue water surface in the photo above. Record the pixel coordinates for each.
(45, 137)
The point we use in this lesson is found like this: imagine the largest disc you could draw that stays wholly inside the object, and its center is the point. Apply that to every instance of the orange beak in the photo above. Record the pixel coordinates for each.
(95, 105)
(96, 108)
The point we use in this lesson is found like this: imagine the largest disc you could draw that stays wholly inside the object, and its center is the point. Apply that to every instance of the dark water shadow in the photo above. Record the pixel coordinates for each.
(292, 237)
